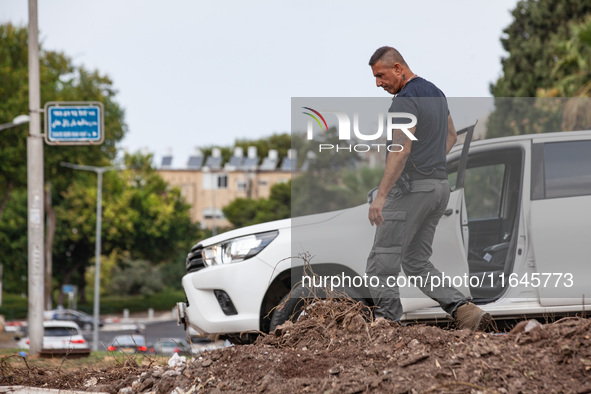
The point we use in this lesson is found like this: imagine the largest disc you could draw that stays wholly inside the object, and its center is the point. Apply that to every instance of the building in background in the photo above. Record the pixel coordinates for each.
(208, 184)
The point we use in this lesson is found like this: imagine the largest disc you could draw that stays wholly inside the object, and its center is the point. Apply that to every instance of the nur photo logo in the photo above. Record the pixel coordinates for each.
(346, 129)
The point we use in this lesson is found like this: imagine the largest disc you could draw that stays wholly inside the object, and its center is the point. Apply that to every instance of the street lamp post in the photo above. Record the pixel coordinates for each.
(15, 122)
(97, 249)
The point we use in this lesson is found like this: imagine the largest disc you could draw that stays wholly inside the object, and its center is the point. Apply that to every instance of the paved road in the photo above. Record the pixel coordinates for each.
(153, 331)
(162, 326)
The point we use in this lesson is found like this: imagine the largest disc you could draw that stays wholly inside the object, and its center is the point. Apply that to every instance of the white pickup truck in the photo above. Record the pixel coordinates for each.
(516, 237)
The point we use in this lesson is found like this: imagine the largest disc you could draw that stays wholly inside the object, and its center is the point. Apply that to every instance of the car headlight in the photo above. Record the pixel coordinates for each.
(237, 249)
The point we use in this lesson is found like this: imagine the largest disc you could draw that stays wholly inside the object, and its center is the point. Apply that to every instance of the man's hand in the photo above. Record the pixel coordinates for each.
(375, 211)
(394, 165)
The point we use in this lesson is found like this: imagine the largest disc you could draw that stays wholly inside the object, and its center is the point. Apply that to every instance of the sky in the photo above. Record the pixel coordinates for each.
(194, 73)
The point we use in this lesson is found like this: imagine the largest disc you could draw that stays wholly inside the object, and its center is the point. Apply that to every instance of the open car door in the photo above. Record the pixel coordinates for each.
(451, 237)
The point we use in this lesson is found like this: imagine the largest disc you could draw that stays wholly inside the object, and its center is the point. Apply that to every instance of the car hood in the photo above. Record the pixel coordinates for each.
(270, 226)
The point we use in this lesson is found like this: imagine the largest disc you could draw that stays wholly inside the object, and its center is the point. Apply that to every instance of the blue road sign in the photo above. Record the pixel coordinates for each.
(74, 123)
(67, 289)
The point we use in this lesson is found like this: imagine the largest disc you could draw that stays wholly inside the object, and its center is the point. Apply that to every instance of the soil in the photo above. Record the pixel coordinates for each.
(333, 349)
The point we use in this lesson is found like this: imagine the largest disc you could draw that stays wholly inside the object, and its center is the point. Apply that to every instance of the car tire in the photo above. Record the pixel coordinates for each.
(292, 305)
(87, 327)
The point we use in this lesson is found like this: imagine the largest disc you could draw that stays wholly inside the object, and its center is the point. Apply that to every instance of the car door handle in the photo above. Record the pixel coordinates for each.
(448, 212)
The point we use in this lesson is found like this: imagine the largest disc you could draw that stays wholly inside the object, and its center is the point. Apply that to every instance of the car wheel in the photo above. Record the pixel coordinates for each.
(294, 304)
(87, 327)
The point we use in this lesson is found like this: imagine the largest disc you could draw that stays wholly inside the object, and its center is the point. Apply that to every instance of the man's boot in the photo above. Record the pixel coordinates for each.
(471, 317)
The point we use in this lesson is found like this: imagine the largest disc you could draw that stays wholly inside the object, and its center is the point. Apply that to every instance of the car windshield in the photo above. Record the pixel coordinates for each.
(60, 331)
(129, 340)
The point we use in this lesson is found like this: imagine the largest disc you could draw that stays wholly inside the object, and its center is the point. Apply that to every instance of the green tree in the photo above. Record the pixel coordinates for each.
(319, 188)
(573, 76)
(61, 80)
(143, 220)
(241, 212)
(572, 70)
(533, 66)
(13, 102)
(245, 211)
(145, 216)
(13, 243)
(527, 40)
(277, 206)
(135, 277)
(74, 241)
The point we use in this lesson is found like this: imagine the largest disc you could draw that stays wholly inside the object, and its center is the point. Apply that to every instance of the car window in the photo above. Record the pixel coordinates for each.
(60, 331)
(567, 169)
(483, 187)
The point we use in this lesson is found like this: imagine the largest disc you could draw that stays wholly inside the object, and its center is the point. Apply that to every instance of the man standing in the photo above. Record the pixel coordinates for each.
(413, 194)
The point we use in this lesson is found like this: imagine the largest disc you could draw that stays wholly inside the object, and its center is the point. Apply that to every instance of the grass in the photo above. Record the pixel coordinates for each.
(99, 359)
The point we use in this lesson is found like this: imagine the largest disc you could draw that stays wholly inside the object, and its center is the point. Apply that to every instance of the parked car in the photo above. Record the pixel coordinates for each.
(170, 346)
(59, 335)
(84, 320)
(132, 343)
(515, 236)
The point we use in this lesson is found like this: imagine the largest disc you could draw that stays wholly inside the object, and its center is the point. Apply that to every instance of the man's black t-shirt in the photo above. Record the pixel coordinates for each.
(425, 101)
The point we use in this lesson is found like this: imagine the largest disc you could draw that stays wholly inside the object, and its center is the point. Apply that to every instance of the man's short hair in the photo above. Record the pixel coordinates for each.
(388, 56)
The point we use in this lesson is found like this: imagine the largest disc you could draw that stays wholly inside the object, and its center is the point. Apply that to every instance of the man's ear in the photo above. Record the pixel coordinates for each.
(398, 68)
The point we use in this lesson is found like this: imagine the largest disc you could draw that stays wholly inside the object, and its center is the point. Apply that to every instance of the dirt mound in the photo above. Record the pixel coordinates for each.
(333, 349)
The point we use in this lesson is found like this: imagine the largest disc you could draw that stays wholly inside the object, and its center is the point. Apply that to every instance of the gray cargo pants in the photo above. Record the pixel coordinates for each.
(405, 240)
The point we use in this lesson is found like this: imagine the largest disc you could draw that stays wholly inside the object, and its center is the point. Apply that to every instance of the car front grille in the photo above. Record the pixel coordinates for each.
(194, 259)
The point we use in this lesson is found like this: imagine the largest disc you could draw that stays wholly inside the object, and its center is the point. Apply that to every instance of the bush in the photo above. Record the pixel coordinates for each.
(171, 274)
(164, 300)
(15, 307)
(135, 277)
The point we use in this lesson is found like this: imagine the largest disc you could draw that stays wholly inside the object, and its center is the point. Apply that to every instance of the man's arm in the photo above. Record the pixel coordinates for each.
(452, 136)
(394, 166)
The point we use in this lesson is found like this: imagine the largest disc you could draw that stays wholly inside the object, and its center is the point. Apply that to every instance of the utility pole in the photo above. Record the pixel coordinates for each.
(36, 213)
(97, 248)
